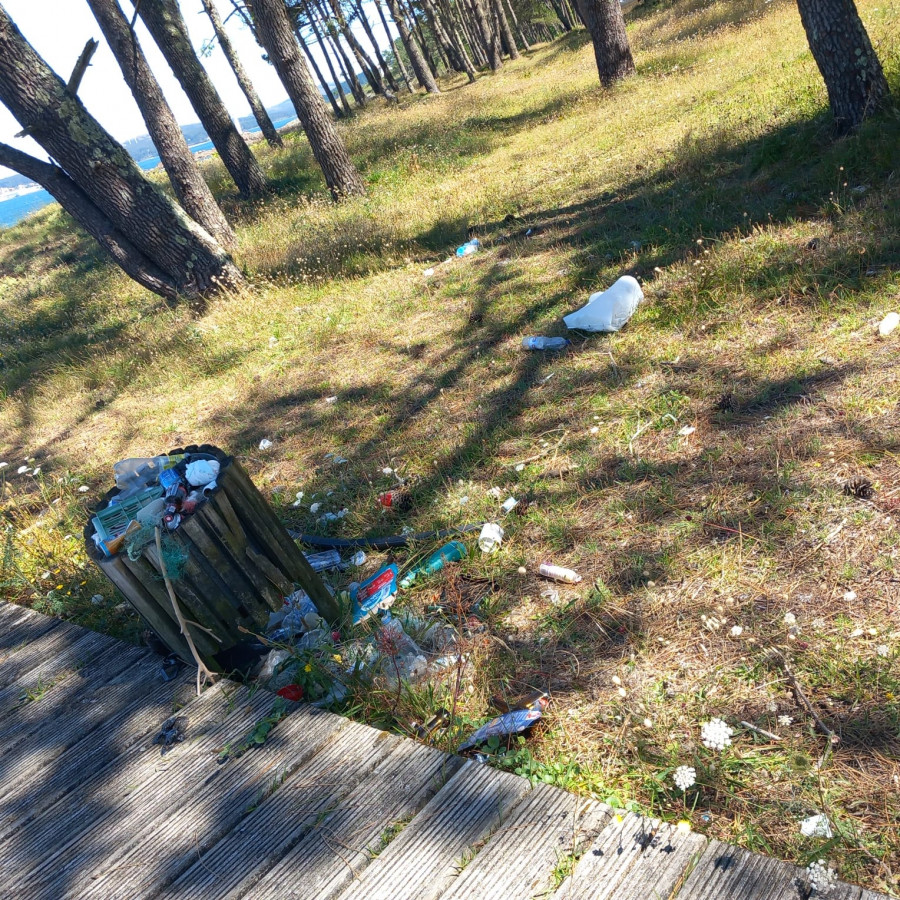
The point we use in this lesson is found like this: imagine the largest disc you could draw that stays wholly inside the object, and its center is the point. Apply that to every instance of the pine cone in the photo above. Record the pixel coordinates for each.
(726, 403)
(859, 486)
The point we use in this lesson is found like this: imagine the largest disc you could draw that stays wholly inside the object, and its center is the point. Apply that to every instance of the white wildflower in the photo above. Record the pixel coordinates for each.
(790, 619)
(850, 596)
(616, 679)
(736, 631)
(772, 706)
(83, 489)
(3, 465)
(623, 692)
(883, 650)
(857, 632)
(818, 624)
(520, 467)
(684, 777)
(594, 429)
(716, 734)
(387, 470)
(21, 470)
(785, 721)
(822, 878)
(648, 723)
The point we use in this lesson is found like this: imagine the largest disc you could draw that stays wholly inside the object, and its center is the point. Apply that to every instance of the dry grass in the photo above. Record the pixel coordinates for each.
(767, 251)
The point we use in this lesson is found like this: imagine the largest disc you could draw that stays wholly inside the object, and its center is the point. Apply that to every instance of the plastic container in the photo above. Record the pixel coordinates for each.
(327, 559)
(133, 475)
(545, 343)
(559, 573)
(452, 552)
(491, 537)
(113, 521)
(469, 247)
(608, 310)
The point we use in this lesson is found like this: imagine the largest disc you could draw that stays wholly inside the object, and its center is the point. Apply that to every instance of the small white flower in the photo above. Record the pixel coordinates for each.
(716, 734)
(822, 878)
(785, 721)
(273, 340)
(83, 489)
(594, 430)
(616, 679)
(387, 470)
(3, 465)
(857, 632)
(648, 723)
(315, 507)
(623, 692)
(520, 467)
(21, 470)
(790, 619)
(771, 706)
(850, 596)
(265, 444)
(883, 650)
(818, 624)
(736, 631)
(684, 777)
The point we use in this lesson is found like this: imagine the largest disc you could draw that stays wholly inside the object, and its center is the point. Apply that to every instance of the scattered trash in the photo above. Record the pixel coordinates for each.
(469, 247)
(314, 507)
(888, 324)
(545, 343)
(520, 467)
(509, 504)
(551, 595)
(170, 668)
(321, 562)
(525, 702)
(816, 826)
(331, 399)
(608, 310)
(491, 537)
(199, 473)
(452, 552)
(377, 592)
(558, 573)
(688, 429)
(428, 273)
(265, 444)
(506, 725)
(171, 732)
(273, 664)
(292, 692)
(358, 558)
(439, 721)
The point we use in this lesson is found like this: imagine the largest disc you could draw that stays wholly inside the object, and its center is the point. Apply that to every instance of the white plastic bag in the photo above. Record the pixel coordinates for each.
(608, 310)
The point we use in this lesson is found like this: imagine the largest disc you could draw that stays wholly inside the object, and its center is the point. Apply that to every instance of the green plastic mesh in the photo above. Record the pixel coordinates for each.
(137, 540)
(174, 555)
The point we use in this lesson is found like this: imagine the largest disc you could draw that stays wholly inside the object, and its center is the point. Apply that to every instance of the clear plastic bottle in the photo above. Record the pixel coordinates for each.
(545, 343)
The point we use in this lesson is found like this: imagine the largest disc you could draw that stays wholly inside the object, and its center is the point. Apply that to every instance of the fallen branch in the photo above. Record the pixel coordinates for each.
(202, 670)
(762, 731)
(778, 657)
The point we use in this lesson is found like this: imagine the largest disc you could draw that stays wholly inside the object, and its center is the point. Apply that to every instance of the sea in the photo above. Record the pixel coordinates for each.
(15, 209)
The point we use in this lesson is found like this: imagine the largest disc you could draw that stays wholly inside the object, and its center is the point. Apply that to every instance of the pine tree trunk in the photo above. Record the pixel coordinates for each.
(400, 64)
(491, 43)
(419, 34)
(423, 73)
(366, 65)
(844, 54)
(347, 69)
(444, 50)
(166, 25)
(79, 206)
(455, 51)
(334, 75)
(604, 22)
(562, 15)
(243, 79)
(516, 26)
(277, 37)
(509, 41)
(367, 27)
(106, 174)
(311, 59)
(473, 38)
(192, 191)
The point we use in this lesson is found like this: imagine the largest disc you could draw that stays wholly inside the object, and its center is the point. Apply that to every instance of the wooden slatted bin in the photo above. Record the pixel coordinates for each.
(240, 564)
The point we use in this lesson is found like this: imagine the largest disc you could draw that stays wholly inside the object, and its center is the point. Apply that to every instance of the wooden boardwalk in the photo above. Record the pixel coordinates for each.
(325, 808)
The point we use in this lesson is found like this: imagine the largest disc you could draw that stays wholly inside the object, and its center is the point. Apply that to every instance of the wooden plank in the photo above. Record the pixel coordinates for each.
(24, 630)
(54, 706)
(84, 823)
(635, 858)
(422, 861)
(241, 858)
(46, 659)
(337, 849)
(545, 830)
(155, 848)
(726, 871)
(107, 723)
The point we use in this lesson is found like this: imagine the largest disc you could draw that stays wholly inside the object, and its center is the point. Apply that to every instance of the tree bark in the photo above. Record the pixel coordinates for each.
(456, 53)
(367, 27)
(311, 59)
(420, 67)
(277, 37)
(518, 28)
(347, 69)
(561, 14)
(509, 41)
(606, 26)
(400, 64)
(366, 65)
(105, 173)
(79, 206)
(192, 191)
(419, 35)
(844, 54)
(465, 21)
(243, 79)
(334, 75)
(166, 25)
(488, 37)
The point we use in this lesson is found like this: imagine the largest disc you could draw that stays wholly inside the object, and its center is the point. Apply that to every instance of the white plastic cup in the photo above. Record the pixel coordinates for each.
(491, 537)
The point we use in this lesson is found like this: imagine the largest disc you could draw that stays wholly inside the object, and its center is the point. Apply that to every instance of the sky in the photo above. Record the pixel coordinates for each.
(59, 29)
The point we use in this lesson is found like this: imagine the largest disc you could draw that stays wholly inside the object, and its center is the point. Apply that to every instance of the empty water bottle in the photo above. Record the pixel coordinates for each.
(468, 247)
(545, 343)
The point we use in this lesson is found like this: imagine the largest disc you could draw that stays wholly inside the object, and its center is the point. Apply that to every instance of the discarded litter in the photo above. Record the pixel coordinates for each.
(452, 552)
(816, 826)
(292, 692)
(199, 473)
(509, 504)
(608, 310)
(545, 343)
(559, 573)
(469, 247)
(491, 537)
(688, 429)
(428, 273)
(377, 592)
(358, 558)
(171, 732)
(506, 725)
(265, 444)
(439, 721)
(888, 324)
(321, 562)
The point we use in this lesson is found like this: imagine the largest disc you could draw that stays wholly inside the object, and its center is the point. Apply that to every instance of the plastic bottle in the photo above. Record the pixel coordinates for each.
(327, 559)
(608, 310)
(468, 247)
(558, 573)
(545, 343)
(452, 552)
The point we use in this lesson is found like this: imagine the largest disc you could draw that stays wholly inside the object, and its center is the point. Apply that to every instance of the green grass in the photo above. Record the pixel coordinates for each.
(768, 251)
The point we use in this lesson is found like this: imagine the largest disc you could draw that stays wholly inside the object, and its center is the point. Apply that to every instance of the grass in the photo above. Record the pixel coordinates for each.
(767, 251)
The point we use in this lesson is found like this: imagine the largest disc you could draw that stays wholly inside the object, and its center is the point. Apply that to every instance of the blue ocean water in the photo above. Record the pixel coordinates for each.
(16, 208)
